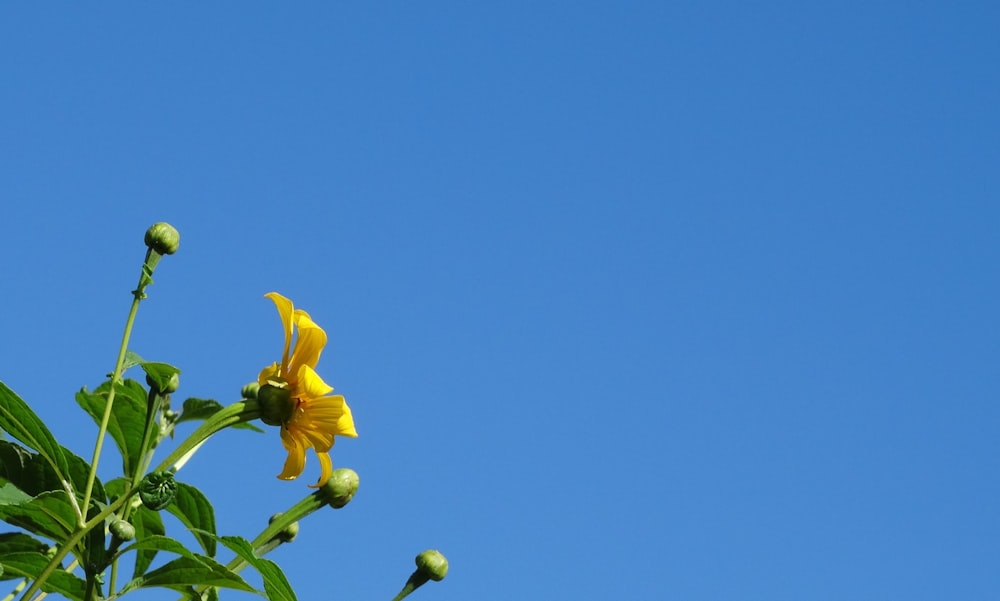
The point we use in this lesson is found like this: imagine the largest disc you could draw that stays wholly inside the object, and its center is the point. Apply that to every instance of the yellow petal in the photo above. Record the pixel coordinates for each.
(326, 469)
(286, 311)
(296, 461)
(269, 373)
(309, 385)
(309, 343)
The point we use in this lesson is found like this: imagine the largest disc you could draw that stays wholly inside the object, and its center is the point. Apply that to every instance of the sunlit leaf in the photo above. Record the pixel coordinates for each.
(128, 417)
(184, 572)
(159, 373)
(20, 421)
(32, 474)
(50, 515)
(276, 585)
(159, 543)
(18, 542)
(195, 511)
(30, 563)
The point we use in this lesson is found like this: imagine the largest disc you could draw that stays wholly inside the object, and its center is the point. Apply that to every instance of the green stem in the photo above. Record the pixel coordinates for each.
(240, 411)
(152, 258)
(416, 581)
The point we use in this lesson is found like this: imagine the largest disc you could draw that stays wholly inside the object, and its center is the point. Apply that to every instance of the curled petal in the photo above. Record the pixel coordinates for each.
(326, 469)
(296, 461)
(309, 385)
(309, 344)
(286, 311)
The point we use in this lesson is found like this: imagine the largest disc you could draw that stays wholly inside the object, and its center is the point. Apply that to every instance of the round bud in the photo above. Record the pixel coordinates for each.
(249, 391)
(275, 403)
(163, 238)
(157, 490)
(170, 387)
(432, 564)
(122, 530)
(290, 531)
(340, 488)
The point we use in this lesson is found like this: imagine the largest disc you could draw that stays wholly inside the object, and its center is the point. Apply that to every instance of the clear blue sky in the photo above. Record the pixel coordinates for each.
(631, 300)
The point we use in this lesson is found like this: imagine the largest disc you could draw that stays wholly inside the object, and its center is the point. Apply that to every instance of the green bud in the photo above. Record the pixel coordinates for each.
(340, 488)
(275, 404)
(170, 387)
(289, 533)
(122, 530)
(157, 490)
(163, 238)
(432, 564)
(249, 391)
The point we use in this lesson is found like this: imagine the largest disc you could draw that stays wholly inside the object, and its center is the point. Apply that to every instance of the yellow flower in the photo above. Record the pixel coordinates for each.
(315, 416)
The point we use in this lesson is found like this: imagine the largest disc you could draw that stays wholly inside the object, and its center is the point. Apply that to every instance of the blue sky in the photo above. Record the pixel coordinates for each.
(630, 300)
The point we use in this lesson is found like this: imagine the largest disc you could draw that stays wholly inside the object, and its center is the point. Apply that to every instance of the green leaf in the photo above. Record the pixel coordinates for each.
(128, 417)
(195, 511)
(18, 542)
(131, 360)
(31, 563)
(49, 514)
(147, 524)
(199, 409)
(32, 474)
(21, 422)
(159, 543)
(276, 585)
(159, 373)
(184, 572)
(12, 495)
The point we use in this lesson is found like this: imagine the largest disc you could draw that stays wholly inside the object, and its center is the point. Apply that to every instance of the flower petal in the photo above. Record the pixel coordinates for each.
(269, 373)
(309, 385)
(296, 461)
(286, 311)
(309, 343)
(326, 469)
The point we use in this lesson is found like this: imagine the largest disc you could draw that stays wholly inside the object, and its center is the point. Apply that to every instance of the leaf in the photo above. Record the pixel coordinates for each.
(17, 542)
(30, 563)
(159, 373)
(21, 422)
(183, 572)
(131, 360)
(147, 524)
(32, 474)
(199, 409)
(159, 543)
(12, 495)
(128, 417)
(195, 511)
(49, 514)
(276, 585)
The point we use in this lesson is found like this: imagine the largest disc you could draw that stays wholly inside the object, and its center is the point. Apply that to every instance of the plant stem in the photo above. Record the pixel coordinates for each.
(137, 295)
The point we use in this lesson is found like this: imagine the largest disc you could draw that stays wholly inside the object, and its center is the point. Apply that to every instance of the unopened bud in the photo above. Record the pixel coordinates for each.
(432, 564)
(275, 404)
(157, 490)
(122, 530)
(171, 385)
(163, 238)
(340, 488)
(249, 391)
(290, 531)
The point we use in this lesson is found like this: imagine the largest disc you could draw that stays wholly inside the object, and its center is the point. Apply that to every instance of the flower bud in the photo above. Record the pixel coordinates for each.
(432, 564)
(157, 490)
(122, 530)
(170, 387)
(289, 533)
(249, 391)
(275, 404)
(340, 488)
(163, 238)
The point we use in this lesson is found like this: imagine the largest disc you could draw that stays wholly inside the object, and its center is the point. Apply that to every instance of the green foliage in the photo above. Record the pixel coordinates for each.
(128, 417)
(17, 419)
(29, 563)
(194, 510)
